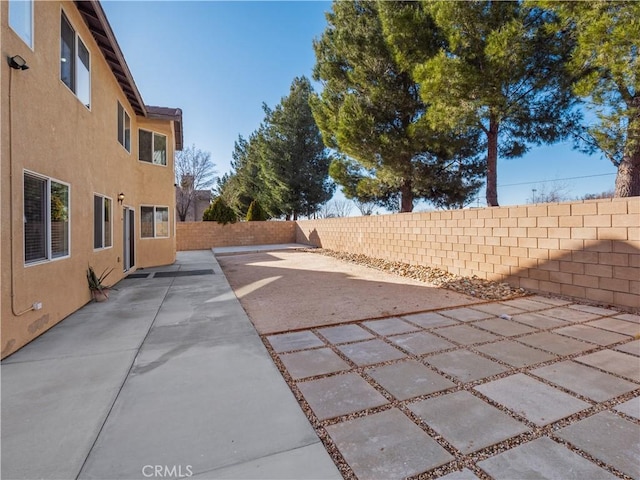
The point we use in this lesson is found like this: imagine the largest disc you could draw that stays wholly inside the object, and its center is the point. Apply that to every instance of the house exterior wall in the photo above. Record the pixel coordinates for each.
(47, 130)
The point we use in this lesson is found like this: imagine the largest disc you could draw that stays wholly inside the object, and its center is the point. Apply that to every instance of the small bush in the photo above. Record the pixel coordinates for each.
(256, 213)
(219, 212)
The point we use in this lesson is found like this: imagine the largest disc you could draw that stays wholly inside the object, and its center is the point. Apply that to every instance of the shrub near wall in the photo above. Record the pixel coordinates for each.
(588, 249)
(206, 235)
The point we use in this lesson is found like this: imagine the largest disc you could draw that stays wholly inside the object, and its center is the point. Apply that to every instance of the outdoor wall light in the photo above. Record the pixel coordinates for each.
(18, 62)
(120, 197)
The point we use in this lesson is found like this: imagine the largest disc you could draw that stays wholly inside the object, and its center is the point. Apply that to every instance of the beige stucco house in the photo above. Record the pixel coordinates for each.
(87, 175)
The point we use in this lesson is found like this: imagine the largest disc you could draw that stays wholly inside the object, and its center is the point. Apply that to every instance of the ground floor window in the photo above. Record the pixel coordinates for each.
(46, 218)
(154, 222)
(102, 221)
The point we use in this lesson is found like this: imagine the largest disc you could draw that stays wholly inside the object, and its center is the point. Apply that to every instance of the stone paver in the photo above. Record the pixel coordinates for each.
(387, 445)
(345, 334)
(571, 314)
(603, 312)
(555, 343)
(466, 314)
(543, 459)
(515, 354)
(339, 395)
(466, 335)
(288, 342)
(526, 304)
(616, 441)
(611, 361)
(421, 343)
(465, 474)
(586, 381)
(539, 320)
(549, 300)
(504, 327)
(430, 320)
(309, 363)
(465, 366)
(629, 317)
(591, 334)
(370, 352)
(615, 325)
(498, 309)
(630, 407)
(467, 422)
(409, 379)
(390, 326)
(632, 347)
(537, 402)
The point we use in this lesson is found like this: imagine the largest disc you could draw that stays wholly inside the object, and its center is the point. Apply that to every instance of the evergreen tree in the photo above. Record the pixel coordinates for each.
(219, 212)
(294, 161)
(256, 213)
(606, 60)
(370, 110)
(497, 69)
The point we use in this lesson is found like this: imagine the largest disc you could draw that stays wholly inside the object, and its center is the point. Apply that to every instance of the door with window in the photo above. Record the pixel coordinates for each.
(129, 238)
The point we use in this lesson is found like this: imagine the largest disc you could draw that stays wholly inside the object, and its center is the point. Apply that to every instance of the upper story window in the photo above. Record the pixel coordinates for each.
(75, 62)
(21, 19)
(124, 128)
(46, 218)
(152, 147)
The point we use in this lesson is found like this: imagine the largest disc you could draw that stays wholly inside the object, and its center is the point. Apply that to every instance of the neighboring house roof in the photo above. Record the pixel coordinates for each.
(96, 20)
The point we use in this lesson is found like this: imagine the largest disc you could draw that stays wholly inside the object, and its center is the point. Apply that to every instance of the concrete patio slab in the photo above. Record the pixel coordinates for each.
(465, 366)
(539, 320)
(550, 300)
(629, 317)
(618, 363)
(527, 304)
(632, 347)
(345, 334)
(630, 408)
(616, 325)
(266, 282)
(515, 354)
(571, 314)
(387, 445)
(340, 395)
(503, 327)
(543, 459)
(390, 326)
(465, 474)
(421, 343)
(467, 422)
(603, 312)
(498, 309)
(535, 401)
(429, 320)
(591, 334)
(467, 314)
(309, 363)
(554, 343)
(620, 447)
(288, 342)
(409, 379)
(370, 352)
(586, 381)
(466, 335)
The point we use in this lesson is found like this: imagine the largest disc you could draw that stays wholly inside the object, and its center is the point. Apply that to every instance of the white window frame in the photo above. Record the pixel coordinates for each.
(153, 141)
(155, 228)
(125, 117)
(48, 243)
(29, 42)
(103, 247)
(76, 60)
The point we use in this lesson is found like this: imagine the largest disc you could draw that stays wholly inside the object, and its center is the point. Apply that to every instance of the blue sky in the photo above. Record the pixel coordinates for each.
(219, 61)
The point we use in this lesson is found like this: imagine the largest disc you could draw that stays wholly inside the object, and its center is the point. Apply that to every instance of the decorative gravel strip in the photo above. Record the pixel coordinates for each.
(472, 286)
(460, 460)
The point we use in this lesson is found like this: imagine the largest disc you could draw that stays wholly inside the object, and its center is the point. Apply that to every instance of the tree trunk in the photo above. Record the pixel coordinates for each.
(492, 163)
(628, 177)
(406, 197)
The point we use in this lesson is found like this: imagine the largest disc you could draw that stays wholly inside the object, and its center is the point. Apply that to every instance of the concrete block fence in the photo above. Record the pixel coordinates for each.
(586, 249)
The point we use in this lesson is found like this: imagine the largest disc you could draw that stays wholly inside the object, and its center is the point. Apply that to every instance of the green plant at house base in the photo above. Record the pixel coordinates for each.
(256, 213)
(219, 212)
(96, 282)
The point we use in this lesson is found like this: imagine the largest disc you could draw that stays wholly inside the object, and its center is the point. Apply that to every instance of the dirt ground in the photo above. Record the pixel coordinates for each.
(293, 290)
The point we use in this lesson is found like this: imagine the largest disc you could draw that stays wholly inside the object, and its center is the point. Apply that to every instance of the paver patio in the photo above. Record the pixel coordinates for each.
(550, 392)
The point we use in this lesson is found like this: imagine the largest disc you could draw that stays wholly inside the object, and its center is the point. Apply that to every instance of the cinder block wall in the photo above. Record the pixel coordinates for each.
(586, 249)
(205, 235)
